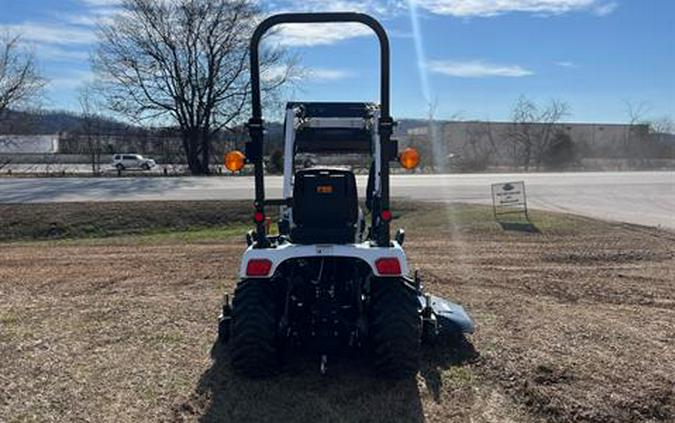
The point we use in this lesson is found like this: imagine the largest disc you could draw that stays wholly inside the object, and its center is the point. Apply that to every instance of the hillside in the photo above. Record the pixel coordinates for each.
(52, 122)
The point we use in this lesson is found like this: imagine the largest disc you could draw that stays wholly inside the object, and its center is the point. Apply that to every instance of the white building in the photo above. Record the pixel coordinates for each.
(469, 138)
(29, 144)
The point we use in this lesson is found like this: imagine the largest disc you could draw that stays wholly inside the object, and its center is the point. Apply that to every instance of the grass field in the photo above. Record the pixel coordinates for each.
(576, 322)
(54, 221)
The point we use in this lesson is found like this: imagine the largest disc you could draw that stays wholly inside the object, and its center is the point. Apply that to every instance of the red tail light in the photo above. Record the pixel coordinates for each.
(258, 267)
(386, 215)
(258, 217)
(388, 266)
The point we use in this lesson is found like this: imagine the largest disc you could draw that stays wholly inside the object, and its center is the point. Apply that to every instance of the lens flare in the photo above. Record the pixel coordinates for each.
(456, 247)
(419, 49)
(434, 131)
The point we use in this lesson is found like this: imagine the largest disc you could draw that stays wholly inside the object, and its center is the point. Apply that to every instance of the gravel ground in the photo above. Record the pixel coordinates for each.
(576, 321)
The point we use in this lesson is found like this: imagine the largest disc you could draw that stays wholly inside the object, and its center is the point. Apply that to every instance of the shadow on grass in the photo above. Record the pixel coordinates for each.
(350, 391)
(521, 223)
(450, 353)
(522, 226)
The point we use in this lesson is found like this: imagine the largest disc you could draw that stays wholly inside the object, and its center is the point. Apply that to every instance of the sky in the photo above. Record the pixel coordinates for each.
(466, 59)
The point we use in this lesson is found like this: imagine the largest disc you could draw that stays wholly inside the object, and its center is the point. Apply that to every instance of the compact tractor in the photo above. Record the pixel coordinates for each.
(332, 278)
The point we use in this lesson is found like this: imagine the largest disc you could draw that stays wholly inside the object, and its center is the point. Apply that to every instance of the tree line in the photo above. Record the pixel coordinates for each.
(184, 65)
(537, 137)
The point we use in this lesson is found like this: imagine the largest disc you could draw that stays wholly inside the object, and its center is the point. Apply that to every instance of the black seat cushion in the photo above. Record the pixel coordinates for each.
(325, 206)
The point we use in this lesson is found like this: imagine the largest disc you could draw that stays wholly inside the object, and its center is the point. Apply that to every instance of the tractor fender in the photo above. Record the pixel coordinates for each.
(363, 251)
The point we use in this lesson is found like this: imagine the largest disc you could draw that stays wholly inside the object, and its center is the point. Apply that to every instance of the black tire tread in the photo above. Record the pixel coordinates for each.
(253, 349)
(395, 328)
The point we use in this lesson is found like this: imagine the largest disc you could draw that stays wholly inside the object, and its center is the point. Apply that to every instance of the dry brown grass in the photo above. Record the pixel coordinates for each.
(574, 323)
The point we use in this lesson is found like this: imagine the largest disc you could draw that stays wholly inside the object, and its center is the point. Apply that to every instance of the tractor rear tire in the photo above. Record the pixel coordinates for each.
(253, 351)
(395, 328)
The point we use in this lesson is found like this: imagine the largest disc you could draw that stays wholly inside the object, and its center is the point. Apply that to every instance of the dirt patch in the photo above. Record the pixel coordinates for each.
(121, 330)
(586, 338)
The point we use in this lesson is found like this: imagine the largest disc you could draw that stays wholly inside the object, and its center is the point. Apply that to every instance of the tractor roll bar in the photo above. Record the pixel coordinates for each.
(254, 150)
(285, 18)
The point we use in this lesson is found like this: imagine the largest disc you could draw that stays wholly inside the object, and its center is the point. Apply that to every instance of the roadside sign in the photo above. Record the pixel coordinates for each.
(508, 198)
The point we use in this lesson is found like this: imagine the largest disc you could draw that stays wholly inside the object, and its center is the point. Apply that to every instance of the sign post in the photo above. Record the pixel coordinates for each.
(509, 198)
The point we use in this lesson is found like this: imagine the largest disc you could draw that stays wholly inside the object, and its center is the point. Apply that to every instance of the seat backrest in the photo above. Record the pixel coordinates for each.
(325, 198)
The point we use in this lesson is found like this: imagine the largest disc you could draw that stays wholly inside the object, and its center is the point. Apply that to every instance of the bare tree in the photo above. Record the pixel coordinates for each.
(479, 148)
(185, 63)
(637, 136)
(6, 143)
(520, 134)
(636, 112)
(662, 133)
(662, 125)
(90, 127)
(533, 129)
(20, 81)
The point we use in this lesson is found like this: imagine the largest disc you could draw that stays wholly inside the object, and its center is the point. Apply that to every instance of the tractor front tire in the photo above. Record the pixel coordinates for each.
(395, 328)
(253, 346)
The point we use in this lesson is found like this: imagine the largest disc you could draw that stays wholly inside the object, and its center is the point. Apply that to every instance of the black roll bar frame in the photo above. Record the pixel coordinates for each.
(254, 149)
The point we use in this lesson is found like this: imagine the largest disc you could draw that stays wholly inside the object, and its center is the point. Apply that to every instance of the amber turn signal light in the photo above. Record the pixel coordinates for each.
(235, 160)
(409, 158)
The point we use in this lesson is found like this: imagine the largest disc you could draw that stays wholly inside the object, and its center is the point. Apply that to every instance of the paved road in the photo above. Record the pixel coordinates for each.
(646, 198)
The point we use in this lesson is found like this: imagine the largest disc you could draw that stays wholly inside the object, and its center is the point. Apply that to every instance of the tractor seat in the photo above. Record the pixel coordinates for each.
(325, 207)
